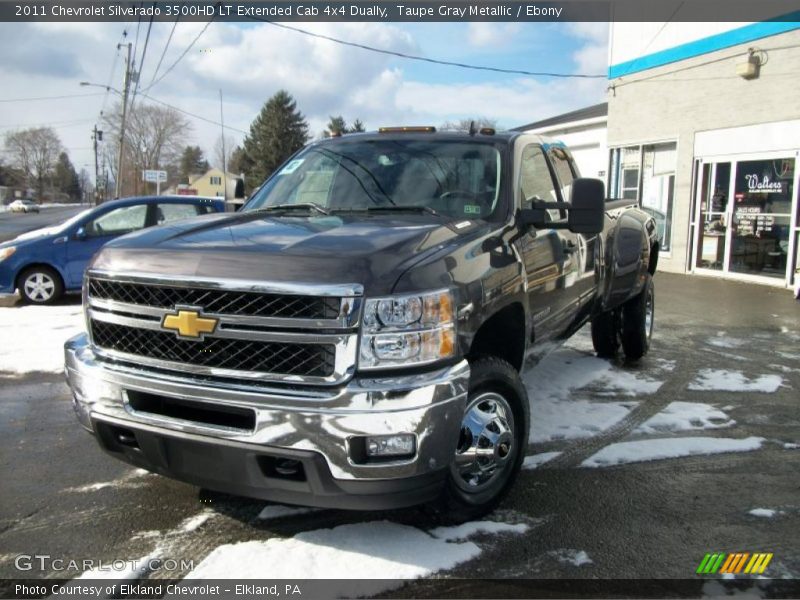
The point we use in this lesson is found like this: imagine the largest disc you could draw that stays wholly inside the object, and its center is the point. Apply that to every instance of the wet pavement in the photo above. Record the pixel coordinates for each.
(641, 518)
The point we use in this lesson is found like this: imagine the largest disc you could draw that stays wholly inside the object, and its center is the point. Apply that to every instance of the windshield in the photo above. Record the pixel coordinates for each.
(454, 179)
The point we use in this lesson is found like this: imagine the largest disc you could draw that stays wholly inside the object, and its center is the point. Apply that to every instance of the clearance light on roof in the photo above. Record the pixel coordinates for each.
(487, 131)
(418, 129)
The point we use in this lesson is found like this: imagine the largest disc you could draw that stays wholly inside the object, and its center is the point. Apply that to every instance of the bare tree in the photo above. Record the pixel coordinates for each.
(34, 152)
(465, 124)
(221, 161)
(154, 137)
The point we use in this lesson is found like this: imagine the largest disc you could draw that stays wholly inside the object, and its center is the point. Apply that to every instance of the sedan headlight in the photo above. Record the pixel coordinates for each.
(407, 330)
(6, 252)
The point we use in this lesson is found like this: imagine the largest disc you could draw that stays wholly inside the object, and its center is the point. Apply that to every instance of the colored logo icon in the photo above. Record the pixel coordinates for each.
(735, 563)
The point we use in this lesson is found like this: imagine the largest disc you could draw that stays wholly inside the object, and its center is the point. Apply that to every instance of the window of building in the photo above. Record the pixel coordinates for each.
(646, 174)
(216, 180)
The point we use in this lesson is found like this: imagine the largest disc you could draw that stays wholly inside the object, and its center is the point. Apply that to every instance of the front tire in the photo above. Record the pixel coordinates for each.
(40, 285)
(491, 444)
(637, 322)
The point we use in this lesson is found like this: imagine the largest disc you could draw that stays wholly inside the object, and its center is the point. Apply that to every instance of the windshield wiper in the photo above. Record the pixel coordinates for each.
(303, 205)
(411, 208)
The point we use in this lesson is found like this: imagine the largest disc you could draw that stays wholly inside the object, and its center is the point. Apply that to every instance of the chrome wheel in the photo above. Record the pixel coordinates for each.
(649, 313)
(39, 287)
(485, 444)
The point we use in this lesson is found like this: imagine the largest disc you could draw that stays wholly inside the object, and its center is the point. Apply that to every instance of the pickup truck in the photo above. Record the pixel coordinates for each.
(353, 338)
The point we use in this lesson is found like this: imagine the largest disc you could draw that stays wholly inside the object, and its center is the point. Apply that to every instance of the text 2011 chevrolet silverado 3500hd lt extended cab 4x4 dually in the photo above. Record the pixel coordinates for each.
(353, 338)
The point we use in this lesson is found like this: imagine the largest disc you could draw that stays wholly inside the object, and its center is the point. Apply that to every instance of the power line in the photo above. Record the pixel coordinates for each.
(180, 58)
(163, 54)
(186, 112)
(51, 97)
(141, 62)
(430, 60)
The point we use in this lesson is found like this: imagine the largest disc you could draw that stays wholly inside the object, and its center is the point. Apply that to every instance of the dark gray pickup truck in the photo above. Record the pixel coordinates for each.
(353, 337)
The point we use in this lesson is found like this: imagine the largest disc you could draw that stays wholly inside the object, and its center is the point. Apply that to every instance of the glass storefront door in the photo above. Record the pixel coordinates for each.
(744, 217)
(713, 219)
(761, 211)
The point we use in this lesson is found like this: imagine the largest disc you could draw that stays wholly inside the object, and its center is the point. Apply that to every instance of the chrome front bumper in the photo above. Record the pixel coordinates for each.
(316, 422)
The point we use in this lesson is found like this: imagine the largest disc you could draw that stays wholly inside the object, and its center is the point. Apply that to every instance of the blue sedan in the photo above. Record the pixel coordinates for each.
(46, 263)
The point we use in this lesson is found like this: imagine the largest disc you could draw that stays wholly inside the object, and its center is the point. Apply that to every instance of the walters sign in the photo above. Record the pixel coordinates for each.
(756, 185)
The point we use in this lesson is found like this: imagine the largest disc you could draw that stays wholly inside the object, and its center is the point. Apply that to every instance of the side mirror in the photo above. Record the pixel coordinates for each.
(80, 234)
(587, 206)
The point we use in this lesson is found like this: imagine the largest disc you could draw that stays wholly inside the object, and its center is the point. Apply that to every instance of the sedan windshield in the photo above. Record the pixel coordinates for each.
(446, 178)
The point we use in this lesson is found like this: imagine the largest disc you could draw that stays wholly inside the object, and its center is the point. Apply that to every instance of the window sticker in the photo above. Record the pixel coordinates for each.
(472, 209)
(291, 167)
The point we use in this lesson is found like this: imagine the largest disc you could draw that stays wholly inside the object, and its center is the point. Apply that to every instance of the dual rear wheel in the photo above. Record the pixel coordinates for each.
(629, 326)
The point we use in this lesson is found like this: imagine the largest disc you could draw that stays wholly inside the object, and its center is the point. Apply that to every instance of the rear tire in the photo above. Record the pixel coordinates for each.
(606, 331)
(40, 285)
(496, 416)
(637, 322)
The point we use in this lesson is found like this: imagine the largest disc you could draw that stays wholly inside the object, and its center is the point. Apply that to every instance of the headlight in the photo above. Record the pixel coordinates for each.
(6, 252)
(408, 330)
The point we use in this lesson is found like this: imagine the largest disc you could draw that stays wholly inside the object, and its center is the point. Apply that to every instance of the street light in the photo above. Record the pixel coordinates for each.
(124, 95)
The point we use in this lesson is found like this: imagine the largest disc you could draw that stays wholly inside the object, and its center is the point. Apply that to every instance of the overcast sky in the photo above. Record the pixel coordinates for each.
(250, 62)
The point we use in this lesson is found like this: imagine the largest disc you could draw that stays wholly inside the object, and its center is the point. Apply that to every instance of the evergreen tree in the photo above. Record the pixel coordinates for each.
(192, 162)
(276, 133)
(66, 179)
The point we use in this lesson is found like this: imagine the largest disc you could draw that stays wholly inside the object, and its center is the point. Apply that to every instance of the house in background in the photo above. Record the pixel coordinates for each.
(584, 131)
(212, 184)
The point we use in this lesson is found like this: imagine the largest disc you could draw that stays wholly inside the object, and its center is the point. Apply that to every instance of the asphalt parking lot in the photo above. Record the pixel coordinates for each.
(634, 471)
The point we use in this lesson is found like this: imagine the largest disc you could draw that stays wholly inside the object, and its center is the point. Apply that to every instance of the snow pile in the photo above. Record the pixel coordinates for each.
(764, 512)
(372, 550)
(556, 414)
(38, 334)
(645, 450)
(575, 558)
(734, 381)
(192, 523)
(535, 460)
(685, 416)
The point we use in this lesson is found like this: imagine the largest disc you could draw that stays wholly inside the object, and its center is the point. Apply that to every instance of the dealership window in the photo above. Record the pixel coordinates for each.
(646, 174)
(216, 180)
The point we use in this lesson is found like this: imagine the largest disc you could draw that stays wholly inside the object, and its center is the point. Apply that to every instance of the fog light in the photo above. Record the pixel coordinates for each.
(390, 445)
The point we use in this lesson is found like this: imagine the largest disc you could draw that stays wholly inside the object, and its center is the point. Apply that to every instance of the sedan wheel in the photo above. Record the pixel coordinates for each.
(41, 286)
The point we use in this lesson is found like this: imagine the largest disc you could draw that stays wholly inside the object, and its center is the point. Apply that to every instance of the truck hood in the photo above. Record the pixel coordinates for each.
(339, 249)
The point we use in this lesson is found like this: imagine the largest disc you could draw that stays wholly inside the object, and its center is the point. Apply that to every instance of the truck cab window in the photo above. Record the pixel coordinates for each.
(535, 180)
(561, 165)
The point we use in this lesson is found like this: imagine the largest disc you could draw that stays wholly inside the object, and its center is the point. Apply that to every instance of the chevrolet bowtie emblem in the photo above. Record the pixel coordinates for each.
(188, 324)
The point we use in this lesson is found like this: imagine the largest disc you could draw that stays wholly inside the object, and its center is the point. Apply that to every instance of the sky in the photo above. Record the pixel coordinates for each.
(249, 62)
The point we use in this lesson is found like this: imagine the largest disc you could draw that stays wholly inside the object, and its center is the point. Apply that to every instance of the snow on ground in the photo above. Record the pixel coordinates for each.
(569, 556)
(38, 334)
(685, 416)
(734, 381)
(791, 445)
(535, 460)
(192, 523)
(764, 512)
(279, 511)
(371, 550)
(724, 341)
(124, 570)
(552, 385)
(644, 450)
(783, 368)
(129, 480)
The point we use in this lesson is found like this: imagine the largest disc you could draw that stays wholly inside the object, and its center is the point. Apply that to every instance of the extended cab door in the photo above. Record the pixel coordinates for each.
(550, 268)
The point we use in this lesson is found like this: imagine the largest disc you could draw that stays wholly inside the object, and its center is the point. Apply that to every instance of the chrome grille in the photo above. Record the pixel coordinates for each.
(291, 333)
(309, 360)
(217, 301)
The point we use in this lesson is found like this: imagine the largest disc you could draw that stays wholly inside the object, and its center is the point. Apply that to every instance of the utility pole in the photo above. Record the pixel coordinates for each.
(224, 158)
(97, 136)
(124, 115)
